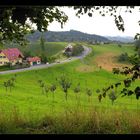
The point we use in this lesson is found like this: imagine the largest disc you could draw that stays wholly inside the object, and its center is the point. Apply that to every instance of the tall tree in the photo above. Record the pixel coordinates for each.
(16, 21)
(42, 43)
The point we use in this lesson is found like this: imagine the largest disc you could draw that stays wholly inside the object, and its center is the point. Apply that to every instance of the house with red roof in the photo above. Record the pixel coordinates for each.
(33, 60)
(10, 55)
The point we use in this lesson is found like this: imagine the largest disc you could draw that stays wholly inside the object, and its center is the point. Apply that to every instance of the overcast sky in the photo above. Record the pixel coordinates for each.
(99, 25)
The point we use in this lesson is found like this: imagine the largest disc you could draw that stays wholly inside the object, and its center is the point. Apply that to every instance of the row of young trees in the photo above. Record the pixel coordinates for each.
(112, 90)
(65, 83)
(9, 84)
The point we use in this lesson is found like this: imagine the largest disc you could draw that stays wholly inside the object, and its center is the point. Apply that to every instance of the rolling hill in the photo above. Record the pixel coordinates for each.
(67, 36)
(125, 39)
(28, 109)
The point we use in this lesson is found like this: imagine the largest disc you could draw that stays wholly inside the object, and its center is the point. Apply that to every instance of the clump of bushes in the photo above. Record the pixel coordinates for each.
(123, 57)
(133, 59)
(18, 65)
(77, 49)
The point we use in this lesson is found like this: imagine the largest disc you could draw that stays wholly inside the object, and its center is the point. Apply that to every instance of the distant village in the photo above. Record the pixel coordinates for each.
(13, 56)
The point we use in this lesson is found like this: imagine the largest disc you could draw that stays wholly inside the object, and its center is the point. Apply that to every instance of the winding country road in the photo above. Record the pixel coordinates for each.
(84, 53)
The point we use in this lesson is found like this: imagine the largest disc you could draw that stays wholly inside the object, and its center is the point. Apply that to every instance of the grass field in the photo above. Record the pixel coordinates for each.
(27, 110)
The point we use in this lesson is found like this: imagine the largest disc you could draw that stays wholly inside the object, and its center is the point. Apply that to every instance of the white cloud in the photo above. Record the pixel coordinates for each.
(98, 24)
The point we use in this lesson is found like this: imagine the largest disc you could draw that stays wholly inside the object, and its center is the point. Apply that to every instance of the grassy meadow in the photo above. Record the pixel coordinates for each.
(25, 109)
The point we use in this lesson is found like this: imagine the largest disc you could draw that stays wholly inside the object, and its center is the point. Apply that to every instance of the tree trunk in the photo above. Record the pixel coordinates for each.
(42, 90)
(66, 95)
(112, 102)
(53, 96)
(10, 88)
(6, 89)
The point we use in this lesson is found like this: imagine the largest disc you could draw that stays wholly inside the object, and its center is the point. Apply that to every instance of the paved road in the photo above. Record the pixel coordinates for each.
(85, 52)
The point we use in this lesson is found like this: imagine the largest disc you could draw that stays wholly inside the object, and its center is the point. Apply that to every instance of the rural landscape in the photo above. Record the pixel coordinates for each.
(70, 82)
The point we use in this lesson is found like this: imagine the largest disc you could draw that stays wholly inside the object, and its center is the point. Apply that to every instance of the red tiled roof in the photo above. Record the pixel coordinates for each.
(33, 59)
(12, 53)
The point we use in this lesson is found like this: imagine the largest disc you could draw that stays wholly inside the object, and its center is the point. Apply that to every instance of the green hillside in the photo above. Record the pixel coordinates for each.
(67, 36)
(27, 110)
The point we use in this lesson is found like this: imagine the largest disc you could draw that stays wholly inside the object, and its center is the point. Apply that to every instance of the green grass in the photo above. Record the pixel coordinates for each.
(26, 106)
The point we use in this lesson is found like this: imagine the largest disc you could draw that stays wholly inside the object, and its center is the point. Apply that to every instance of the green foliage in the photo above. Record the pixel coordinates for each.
(27, 53)
(53, 88)
(77, 88)
(112, 96)
(10, 83)
(135, 74)
(134, 59)
(98, 91)
(44, 58)
(42, 43)
(119, 45)
(46, 89)
(116, 70)
(88, 92)
(42, 85)
(126, 92)
(14, 25)
(77, 49)
(4, 68)
(123, 57)
(65, 83)
(100, 97)
(127, 82)
(137, 92)
(137, 45)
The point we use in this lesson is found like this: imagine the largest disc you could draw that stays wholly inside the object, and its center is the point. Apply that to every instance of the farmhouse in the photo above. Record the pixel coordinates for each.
(11, 55)
(33, 60)
(68, 50)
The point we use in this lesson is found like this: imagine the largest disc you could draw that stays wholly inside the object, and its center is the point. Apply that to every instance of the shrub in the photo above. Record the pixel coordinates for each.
(65, 83)
(119, 45)
(27, 53)
(123, 57)
(44, 58)
(134, 59)
(77, 49)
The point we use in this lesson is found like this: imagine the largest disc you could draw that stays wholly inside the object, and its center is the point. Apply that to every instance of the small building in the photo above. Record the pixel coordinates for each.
(11, 55)
(34, 60)
(68, 50)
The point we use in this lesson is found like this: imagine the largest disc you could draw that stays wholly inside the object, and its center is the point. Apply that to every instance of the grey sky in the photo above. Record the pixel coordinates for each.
(99, 25)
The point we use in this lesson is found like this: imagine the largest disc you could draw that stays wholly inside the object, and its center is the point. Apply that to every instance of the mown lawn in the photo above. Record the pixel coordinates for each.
(27, 110)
